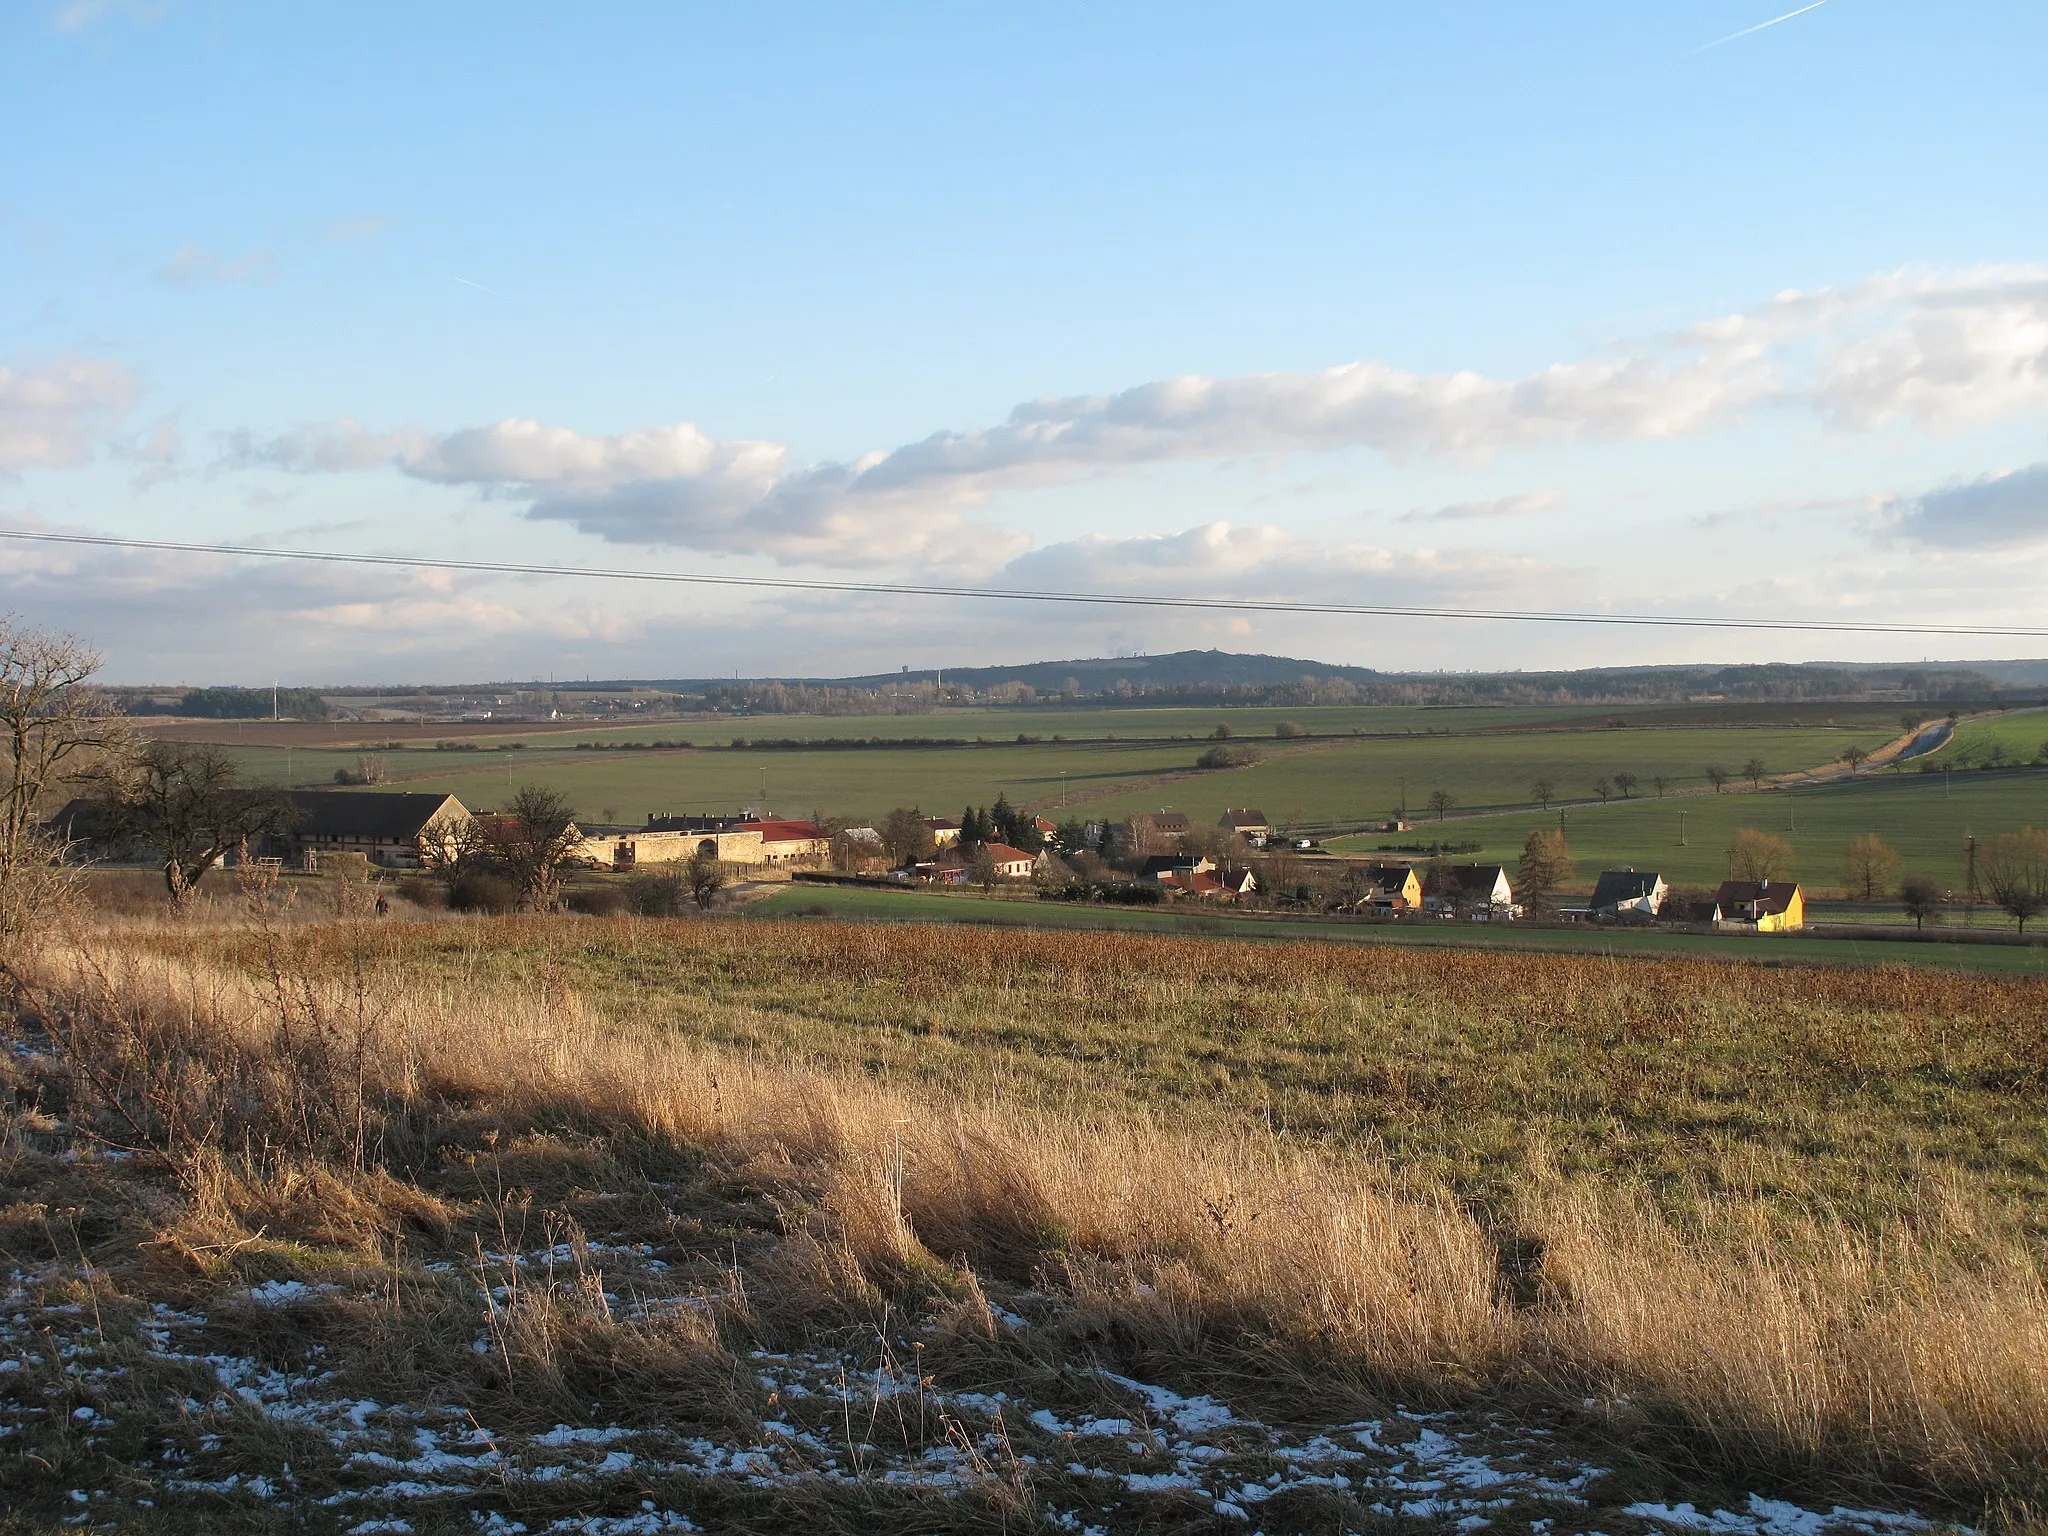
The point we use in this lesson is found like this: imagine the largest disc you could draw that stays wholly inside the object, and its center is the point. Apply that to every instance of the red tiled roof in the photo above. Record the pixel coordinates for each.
(780, 831)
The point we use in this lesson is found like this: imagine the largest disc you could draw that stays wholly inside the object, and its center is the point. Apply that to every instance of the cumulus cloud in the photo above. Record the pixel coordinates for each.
(1995, 510)
(1524, 505)
(193, 266)
(1938, 348)
(49, 415)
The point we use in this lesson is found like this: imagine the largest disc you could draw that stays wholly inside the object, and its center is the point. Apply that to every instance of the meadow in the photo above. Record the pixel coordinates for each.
(2021, 734)
(888, 904)
(1926, 816)
(1319, 781)
(744, 1225)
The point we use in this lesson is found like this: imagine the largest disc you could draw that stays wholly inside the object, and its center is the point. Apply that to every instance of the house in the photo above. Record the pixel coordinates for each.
(400, 831)
(1248, 824)
(1478, 890)
(865, 849)
(1628, 893)
(955, 866)
(1759, 906)
(1394, 886)
(788, 842)
(1169, 867)
(1046, 828)
(944, 830)
(1171, 824)
(1235, 880)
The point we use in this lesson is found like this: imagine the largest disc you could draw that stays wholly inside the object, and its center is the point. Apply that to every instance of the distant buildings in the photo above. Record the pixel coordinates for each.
(1759, 906)
(1628, 893)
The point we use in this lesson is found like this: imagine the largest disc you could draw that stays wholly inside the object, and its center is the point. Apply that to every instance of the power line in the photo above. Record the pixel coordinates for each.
(1027, 595)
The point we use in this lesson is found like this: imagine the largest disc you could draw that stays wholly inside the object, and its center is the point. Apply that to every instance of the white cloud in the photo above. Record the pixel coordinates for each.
(191, 266)
(78, 15)
(1936, 348)
(1524, 505)
(2004, 509)
(49, 415)
(1263, 562)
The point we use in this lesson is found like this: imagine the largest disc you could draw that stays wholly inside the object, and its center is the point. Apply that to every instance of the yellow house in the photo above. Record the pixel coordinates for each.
(1759, 906)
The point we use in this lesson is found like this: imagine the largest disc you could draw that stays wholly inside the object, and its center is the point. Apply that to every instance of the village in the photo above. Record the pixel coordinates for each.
(1242, 860)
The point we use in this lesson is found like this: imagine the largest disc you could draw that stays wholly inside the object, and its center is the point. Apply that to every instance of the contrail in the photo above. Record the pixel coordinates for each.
(1732, 36)
(480, 288)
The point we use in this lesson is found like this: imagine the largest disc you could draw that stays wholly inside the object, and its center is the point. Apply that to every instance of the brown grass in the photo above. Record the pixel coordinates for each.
(335, 1111)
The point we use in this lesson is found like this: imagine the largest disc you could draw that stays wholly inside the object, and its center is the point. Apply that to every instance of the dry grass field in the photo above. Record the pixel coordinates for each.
(619, 1226)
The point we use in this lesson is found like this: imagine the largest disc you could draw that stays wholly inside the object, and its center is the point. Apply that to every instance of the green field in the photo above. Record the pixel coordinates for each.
(1318, 781)
(913, 906)
(2021, 734)
(1925, 816)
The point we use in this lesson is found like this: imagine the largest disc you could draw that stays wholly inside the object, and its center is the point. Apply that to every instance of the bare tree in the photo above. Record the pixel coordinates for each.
(1910, 724)
(1625, 782)
(1441, 802)
(1544, 790)
(2013, 867)
(981, 867)
(706, 877)
(906, 837)
(185, 804)
(1921, 898)
(1716, 776)
(1855, 757)
(1754, 771)
(1870, 865)
(1660, 784)
(531, 839)
(53, 724)
(1754, 855)
(1604, 789)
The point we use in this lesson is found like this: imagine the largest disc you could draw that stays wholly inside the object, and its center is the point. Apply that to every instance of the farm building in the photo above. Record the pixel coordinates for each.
(945, 830)
(746, 841)
(1169, 867)
(1477, 890)
(1628, 893)
(1759, 906)
(1394, 886)
(1249, 824)
(401, 831)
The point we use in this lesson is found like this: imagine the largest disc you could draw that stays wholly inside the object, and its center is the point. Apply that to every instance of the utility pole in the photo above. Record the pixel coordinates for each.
(1681, 829)
(273, 701)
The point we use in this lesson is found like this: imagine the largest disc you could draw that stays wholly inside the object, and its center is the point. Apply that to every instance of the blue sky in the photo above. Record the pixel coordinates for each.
(1469, 303)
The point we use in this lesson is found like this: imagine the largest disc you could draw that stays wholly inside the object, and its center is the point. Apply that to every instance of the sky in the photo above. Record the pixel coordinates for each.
(1474, 304)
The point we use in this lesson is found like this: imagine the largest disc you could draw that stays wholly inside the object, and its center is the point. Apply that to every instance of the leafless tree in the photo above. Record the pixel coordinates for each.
(1441, 802)
(1754, 855)
(54, 725)
(706, 877)
(1717, 776)
(1869, 866)
(1604, 789)
(536, 833)
(1921, 898)
(2013, 867)
(981, 867)
(1626, 783)
(185, 804)
(1660, 784)
(1855, 757)
(1545, 790)
(1754, 771)
(905, 836)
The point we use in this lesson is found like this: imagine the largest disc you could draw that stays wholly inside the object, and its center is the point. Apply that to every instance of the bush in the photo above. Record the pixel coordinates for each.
(1688, 904)
(431, 894)
(596, 901)
(658, 895)
(492, 894)
(1287, 730)
(1227, 757)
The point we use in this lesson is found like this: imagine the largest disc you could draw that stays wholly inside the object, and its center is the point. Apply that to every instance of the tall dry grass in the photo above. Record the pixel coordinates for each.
(1915, 1355)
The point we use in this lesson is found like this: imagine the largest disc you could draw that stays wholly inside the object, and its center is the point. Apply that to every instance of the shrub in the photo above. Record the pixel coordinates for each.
(492, 894)
(1688, 904)
(1287, 730)
(1227, 757)
(666, 895)
(596, 901)
(430, 894)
